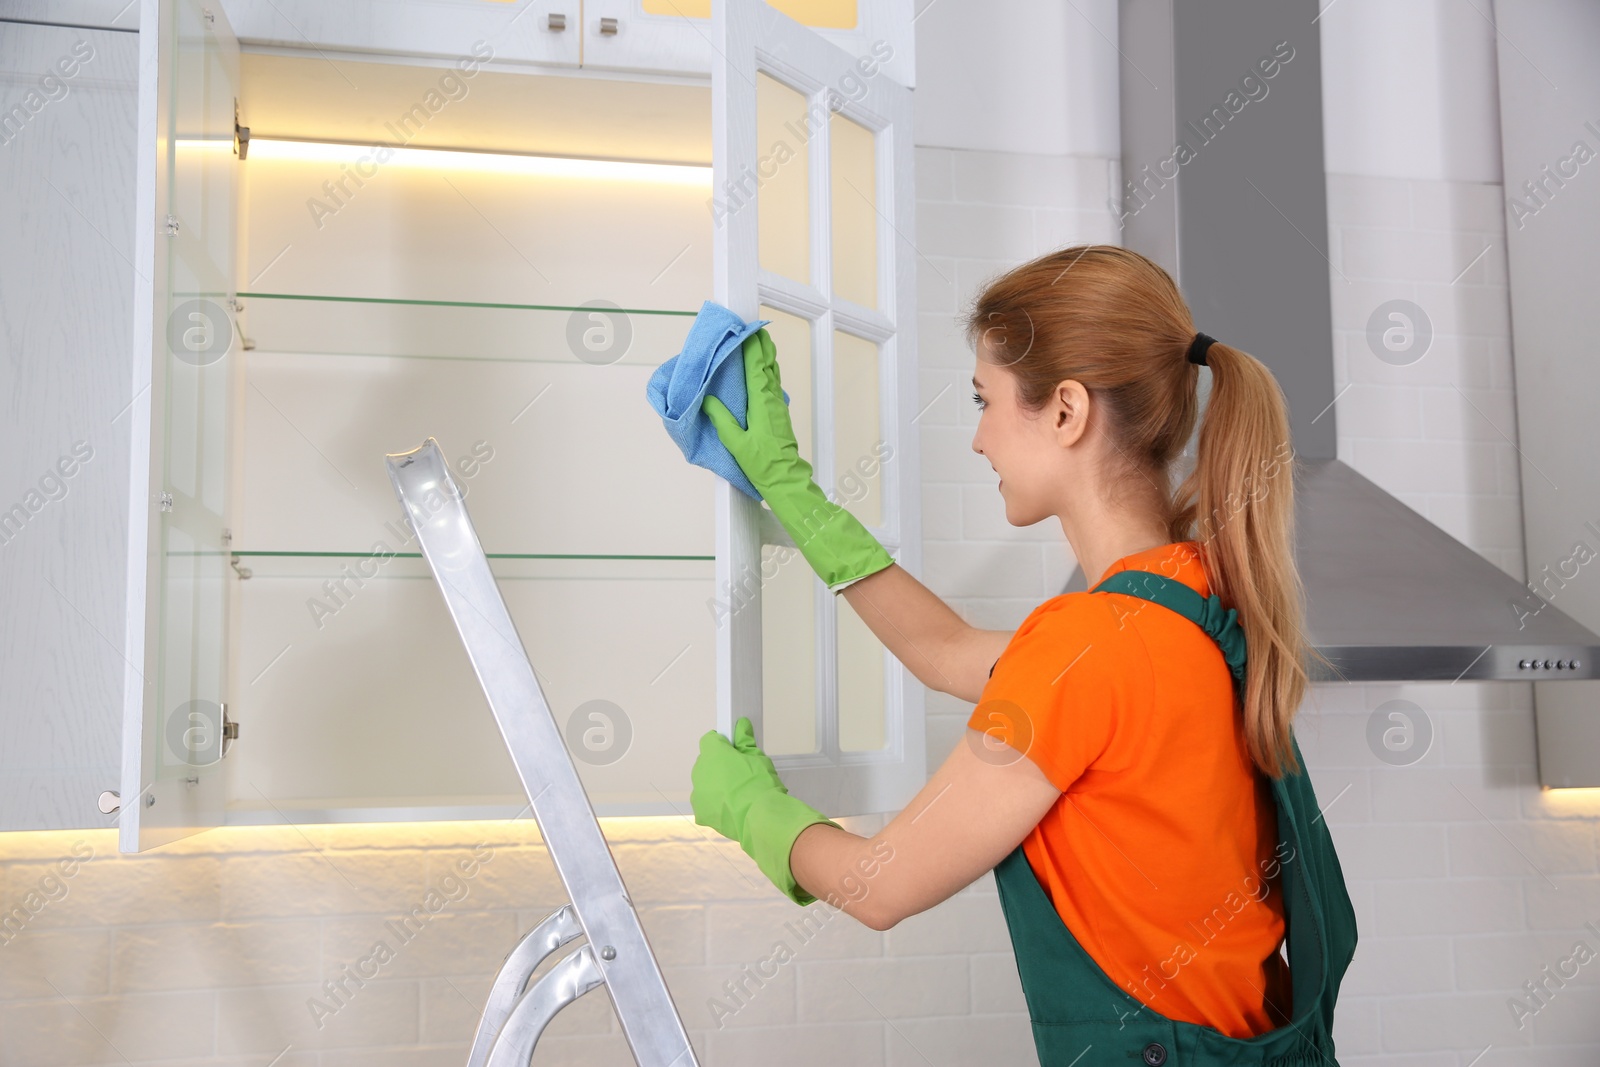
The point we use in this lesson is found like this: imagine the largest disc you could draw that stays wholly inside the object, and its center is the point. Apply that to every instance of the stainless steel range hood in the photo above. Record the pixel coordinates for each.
(1239, 218)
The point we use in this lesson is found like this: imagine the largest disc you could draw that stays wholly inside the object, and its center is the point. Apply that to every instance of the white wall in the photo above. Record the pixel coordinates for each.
(1408, 89)
(1024, 76)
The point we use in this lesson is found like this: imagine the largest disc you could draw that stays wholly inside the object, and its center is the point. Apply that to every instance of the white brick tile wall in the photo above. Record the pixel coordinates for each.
(1465, 1021)
(954, 1041)
(996, 989)
(884, 989)
(849, 1044)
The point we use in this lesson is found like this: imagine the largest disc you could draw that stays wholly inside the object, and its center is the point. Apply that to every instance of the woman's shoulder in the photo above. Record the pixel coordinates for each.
(1076, 623)
(1084, 611)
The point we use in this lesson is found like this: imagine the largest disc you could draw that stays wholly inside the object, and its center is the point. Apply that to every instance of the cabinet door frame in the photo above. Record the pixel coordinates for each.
(157, 808)
(754, 37)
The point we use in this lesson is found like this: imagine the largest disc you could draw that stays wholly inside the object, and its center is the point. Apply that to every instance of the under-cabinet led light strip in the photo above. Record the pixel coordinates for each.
(367, 159)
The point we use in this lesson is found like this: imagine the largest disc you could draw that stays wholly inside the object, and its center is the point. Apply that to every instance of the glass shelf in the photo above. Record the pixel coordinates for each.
(594, 334)
(444, 303)
(492, 555)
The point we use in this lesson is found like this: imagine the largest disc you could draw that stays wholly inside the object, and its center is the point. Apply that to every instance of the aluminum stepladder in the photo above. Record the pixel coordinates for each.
(616, 953)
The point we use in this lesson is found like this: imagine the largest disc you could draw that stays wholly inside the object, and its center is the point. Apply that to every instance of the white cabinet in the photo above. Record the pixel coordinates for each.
(668, 37)
(498, 259)
(537, 33)
(678, 36)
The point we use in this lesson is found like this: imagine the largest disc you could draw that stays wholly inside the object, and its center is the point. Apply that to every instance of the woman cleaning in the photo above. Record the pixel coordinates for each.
(1129, 772)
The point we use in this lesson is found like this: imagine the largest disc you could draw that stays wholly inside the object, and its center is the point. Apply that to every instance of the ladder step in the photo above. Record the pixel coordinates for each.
(566, 982)
(555, 930)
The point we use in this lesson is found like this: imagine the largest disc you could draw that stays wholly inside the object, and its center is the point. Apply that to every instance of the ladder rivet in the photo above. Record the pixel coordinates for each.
(608, 953)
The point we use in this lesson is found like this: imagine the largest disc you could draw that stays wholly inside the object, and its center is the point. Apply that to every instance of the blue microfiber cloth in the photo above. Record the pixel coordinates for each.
(712, 361)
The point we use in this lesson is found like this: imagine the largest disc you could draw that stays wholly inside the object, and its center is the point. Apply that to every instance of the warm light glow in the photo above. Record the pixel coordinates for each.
(51, 845)
(1572, 799)
(220, 145)
(374, 157)
(818, 14)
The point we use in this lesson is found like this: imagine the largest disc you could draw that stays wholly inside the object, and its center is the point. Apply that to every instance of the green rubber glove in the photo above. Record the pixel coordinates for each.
(737, 792)
(839, 549)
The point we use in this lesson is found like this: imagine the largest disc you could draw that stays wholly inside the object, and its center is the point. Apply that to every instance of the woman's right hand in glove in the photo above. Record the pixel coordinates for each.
(839, 549)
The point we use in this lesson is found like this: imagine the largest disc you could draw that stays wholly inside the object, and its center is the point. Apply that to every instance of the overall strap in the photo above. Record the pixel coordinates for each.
(1206, 612)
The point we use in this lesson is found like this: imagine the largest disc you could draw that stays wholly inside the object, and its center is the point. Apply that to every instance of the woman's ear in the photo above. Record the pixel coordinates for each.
(1069, 412)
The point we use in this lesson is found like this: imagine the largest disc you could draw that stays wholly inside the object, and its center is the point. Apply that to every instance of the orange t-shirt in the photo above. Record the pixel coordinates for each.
(1160, 855)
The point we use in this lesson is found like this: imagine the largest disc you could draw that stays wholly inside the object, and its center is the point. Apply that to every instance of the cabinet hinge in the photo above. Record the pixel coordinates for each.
(241, 135)
(166, 501)
(171, 227)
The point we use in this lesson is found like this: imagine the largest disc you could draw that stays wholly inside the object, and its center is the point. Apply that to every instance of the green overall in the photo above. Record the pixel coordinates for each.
(1081, 1017)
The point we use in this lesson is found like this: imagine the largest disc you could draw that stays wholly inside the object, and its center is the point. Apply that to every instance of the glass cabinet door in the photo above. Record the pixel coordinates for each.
(185, 354)
(812, 212)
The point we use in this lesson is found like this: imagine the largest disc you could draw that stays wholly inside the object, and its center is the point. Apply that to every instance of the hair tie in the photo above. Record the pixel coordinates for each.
(1197, 348)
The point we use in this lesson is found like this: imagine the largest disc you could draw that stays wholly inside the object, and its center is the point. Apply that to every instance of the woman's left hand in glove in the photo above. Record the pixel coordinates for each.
(737, 792)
